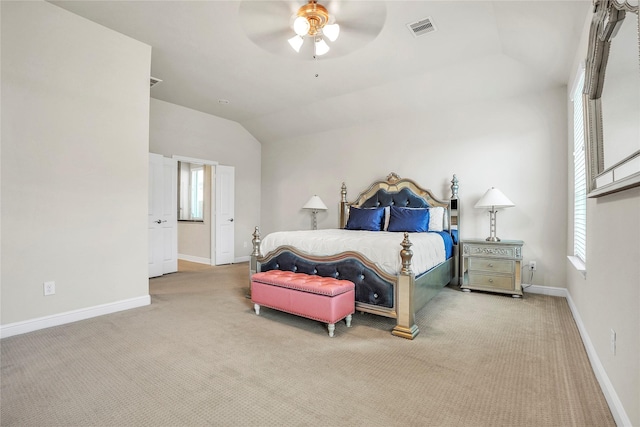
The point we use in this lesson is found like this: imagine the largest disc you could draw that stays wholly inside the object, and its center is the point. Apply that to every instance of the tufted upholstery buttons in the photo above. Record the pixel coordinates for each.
(350, 269)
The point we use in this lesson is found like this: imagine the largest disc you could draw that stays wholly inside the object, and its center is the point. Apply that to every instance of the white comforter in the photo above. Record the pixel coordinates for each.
(381, 247)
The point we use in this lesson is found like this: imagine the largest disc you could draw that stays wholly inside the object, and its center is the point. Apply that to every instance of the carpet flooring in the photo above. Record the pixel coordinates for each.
(200, 356)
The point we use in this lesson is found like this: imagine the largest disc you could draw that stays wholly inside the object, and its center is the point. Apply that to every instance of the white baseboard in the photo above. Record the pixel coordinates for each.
(71, 316)
(615, 405)
(207, 261)
(544, 290)
(191, 258)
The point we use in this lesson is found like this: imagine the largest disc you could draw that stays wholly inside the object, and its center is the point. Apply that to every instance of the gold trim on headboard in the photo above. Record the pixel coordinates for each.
(394, 184)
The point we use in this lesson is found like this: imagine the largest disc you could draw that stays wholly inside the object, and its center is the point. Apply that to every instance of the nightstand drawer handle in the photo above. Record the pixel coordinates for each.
(490, 280)
(491, 265)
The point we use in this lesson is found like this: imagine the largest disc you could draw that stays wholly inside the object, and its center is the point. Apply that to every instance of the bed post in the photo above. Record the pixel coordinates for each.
(454, 187)
(454, 223)
(406, 326)
(343, 206)
(253, 262)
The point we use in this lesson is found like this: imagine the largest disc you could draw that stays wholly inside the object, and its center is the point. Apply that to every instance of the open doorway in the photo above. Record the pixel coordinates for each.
(205, 220)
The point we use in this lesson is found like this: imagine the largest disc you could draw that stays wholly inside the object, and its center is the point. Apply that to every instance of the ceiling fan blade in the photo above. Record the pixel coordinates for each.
(374, 12)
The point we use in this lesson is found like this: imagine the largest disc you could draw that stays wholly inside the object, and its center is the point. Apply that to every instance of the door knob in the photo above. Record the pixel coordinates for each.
(159, 221)
(231, 220)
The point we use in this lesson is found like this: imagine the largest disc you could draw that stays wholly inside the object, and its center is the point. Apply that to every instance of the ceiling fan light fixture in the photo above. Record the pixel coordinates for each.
(296, 42)
(301, 26)
(312, 20)
(332, 31)
(321, 46)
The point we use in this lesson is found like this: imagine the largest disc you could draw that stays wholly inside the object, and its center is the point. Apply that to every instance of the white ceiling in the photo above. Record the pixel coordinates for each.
(205, 51)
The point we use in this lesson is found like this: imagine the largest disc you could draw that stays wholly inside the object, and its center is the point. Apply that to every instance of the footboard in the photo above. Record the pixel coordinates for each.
(377, 292)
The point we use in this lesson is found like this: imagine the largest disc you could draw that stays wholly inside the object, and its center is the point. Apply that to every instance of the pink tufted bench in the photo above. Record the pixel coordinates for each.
(319, 298)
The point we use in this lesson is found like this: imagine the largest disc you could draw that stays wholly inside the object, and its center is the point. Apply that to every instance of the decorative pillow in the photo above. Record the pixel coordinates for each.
(436, 218)
(445, 220)
(365, 219)
(387, 214)
(409, 219)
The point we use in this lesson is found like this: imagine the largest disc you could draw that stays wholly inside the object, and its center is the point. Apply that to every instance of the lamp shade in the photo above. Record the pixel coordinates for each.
(315, 203)
(296, 42)
(321, 46)
(494, 198)
(331, 31)
(301, 26)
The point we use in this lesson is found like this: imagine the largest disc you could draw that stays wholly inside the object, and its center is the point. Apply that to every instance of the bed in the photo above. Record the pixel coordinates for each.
(396, 241)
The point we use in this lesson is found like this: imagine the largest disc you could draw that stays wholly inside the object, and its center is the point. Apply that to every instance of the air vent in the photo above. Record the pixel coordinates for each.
(422, 27)
(154, 81)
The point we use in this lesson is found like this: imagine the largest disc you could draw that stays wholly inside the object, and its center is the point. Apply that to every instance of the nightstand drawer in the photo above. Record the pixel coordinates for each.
(489, 281)
(491, 265)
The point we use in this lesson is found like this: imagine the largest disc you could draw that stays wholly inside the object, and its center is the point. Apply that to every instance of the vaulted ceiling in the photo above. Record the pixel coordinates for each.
(207, 51)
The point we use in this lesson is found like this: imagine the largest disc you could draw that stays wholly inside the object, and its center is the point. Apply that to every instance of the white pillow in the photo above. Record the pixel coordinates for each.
(445, 221)
(436, 218)
(387, 215)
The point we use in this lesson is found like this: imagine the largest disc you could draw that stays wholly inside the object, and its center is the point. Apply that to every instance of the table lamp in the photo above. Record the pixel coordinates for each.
(493, 200)
(315, 204)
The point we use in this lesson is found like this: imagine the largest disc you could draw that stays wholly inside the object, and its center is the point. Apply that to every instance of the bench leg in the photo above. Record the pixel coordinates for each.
(256, 307)
(332, 328)
(348, 320)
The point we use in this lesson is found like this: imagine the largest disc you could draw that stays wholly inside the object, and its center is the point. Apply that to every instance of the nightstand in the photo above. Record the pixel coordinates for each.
(492, 266)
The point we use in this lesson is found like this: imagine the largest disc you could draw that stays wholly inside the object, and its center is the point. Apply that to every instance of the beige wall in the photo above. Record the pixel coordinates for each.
(75, 111)
(516, 144)
(608, 298)
(176, 130)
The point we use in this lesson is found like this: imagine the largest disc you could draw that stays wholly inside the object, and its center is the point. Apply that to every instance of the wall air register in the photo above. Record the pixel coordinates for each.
(154, 81)
(422, 27)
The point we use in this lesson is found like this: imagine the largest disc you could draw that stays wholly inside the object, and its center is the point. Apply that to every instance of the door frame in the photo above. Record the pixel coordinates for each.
(212, 217)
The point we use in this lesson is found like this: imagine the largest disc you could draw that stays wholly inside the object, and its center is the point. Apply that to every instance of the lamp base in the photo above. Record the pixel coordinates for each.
(492, 239)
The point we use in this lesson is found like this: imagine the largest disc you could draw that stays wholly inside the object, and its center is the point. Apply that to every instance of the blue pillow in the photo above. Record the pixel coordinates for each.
(413, 220)
(365, 219)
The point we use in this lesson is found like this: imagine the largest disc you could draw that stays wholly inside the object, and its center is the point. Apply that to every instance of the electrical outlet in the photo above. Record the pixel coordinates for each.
(532, 265)
(49, 288)
(613, 342)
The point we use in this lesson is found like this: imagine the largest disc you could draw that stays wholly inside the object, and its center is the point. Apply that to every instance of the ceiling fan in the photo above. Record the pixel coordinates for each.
(307, 29)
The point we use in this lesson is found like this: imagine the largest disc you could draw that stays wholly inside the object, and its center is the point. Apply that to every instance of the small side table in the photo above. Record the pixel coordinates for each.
(492, 266)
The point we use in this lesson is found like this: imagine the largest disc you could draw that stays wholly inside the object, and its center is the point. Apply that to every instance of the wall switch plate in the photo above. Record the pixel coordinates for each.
(613, 342)
(49, 288)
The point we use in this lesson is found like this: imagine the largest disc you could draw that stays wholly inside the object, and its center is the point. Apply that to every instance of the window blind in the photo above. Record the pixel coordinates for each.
(579, 174)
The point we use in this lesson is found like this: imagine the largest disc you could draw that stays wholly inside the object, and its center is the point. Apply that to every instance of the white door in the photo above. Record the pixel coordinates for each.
(163, 217)
(225, 229)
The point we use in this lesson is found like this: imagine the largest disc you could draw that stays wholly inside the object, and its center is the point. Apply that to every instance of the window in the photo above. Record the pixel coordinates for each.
(190, 191)
(197, 192)
(579, 173)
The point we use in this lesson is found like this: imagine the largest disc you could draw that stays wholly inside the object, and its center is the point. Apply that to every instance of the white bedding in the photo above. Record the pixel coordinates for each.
(381, 247)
